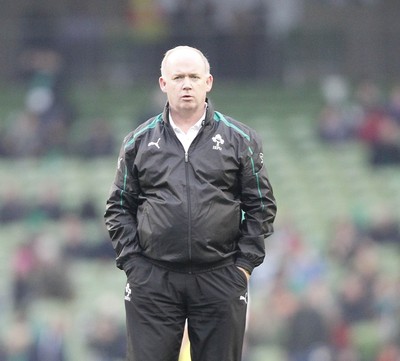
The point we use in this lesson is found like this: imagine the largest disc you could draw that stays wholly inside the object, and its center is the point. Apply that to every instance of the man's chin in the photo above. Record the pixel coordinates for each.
(188, 107)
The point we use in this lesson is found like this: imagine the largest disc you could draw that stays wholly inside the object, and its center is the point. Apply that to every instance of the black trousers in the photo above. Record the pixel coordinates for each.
(159, 301)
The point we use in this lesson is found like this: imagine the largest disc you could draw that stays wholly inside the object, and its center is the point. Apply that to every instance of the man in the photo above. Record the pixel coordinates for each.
(187, 215)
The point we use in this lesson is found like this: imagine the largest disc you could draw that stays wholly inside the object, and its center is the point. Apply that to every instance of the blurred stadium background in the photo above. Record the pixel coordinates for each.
(318, 79)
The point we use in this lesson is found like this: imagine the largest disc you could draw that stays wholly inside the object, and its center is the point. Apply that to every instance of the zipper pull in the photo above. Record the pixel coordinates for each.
(186, 157)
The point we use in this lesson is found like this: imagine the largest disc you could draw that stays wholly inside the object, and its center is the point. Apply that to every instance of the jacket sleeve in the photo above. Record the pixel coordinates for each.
(121, 208)
(258, 207)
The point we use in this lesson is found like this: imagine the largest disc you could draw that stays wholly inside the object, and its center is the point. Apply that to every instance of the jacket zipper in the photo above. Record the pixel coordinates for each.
(195, 140)
(186, 158)
(189, 206)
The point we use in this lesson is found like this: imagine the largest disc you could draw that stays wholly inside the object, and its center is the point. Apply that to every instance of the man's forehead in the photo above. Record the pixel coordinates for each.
(183, 56)
(185, 59)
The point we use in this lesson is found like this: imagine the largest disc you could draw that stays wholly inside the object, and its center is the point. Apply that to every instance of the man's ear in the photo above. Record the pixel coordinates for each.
(162, 83)
(209, 82)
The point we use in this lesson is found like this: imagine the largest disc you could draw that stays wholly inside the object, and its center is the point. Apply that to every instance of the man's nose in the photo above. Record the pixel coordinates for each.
(187, 83)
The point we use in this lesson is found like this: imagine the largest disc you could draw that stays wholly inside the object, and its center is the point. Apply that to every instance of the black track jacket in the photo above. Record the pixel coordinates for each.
(198, 208)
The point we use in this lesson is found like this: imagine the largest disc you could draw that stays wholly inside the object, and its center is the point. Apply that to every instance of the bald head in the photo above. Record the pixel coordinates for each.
(183, 51)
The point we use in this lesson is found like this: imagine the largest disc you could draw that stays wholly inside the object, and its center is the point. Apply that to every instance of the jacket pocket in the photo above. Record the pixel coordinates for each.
(144, 228)
(241, 275)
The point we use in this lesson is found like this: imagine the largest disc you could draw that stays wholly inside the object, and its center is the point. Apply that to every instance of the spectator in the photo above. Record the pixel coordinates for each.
(49, 205)
(51, 279)
(339, 118)
(21, 138)
(19, 339)
(385, 147)
(106, 339)
(102, 250)
(75, 243)
(78, 246)
(333, 126)
(100, 142)
(340, 335)
(12, 207)
(369, 96)
(88, 209)
(42, 126)
(49, 342)
(353, 300)
(304, 266)
(343, 241)
(384, 228)
(24, 265)
(394, 103)
(307, 333)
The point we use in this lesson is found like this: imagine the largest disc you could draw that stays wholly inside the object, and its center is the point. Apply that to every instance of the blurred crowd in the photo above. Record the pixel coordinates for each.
(337, 304)
(368, 116)
(42, 271)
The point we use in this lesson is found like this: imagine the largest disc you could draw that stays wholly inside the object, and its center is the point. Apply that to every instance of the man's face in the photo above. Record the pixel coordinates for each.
(186, 81)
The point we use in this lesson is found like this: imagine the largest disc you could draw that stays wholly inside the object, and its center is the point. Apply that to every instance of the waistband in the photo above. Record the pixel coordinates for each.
(192, 267)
